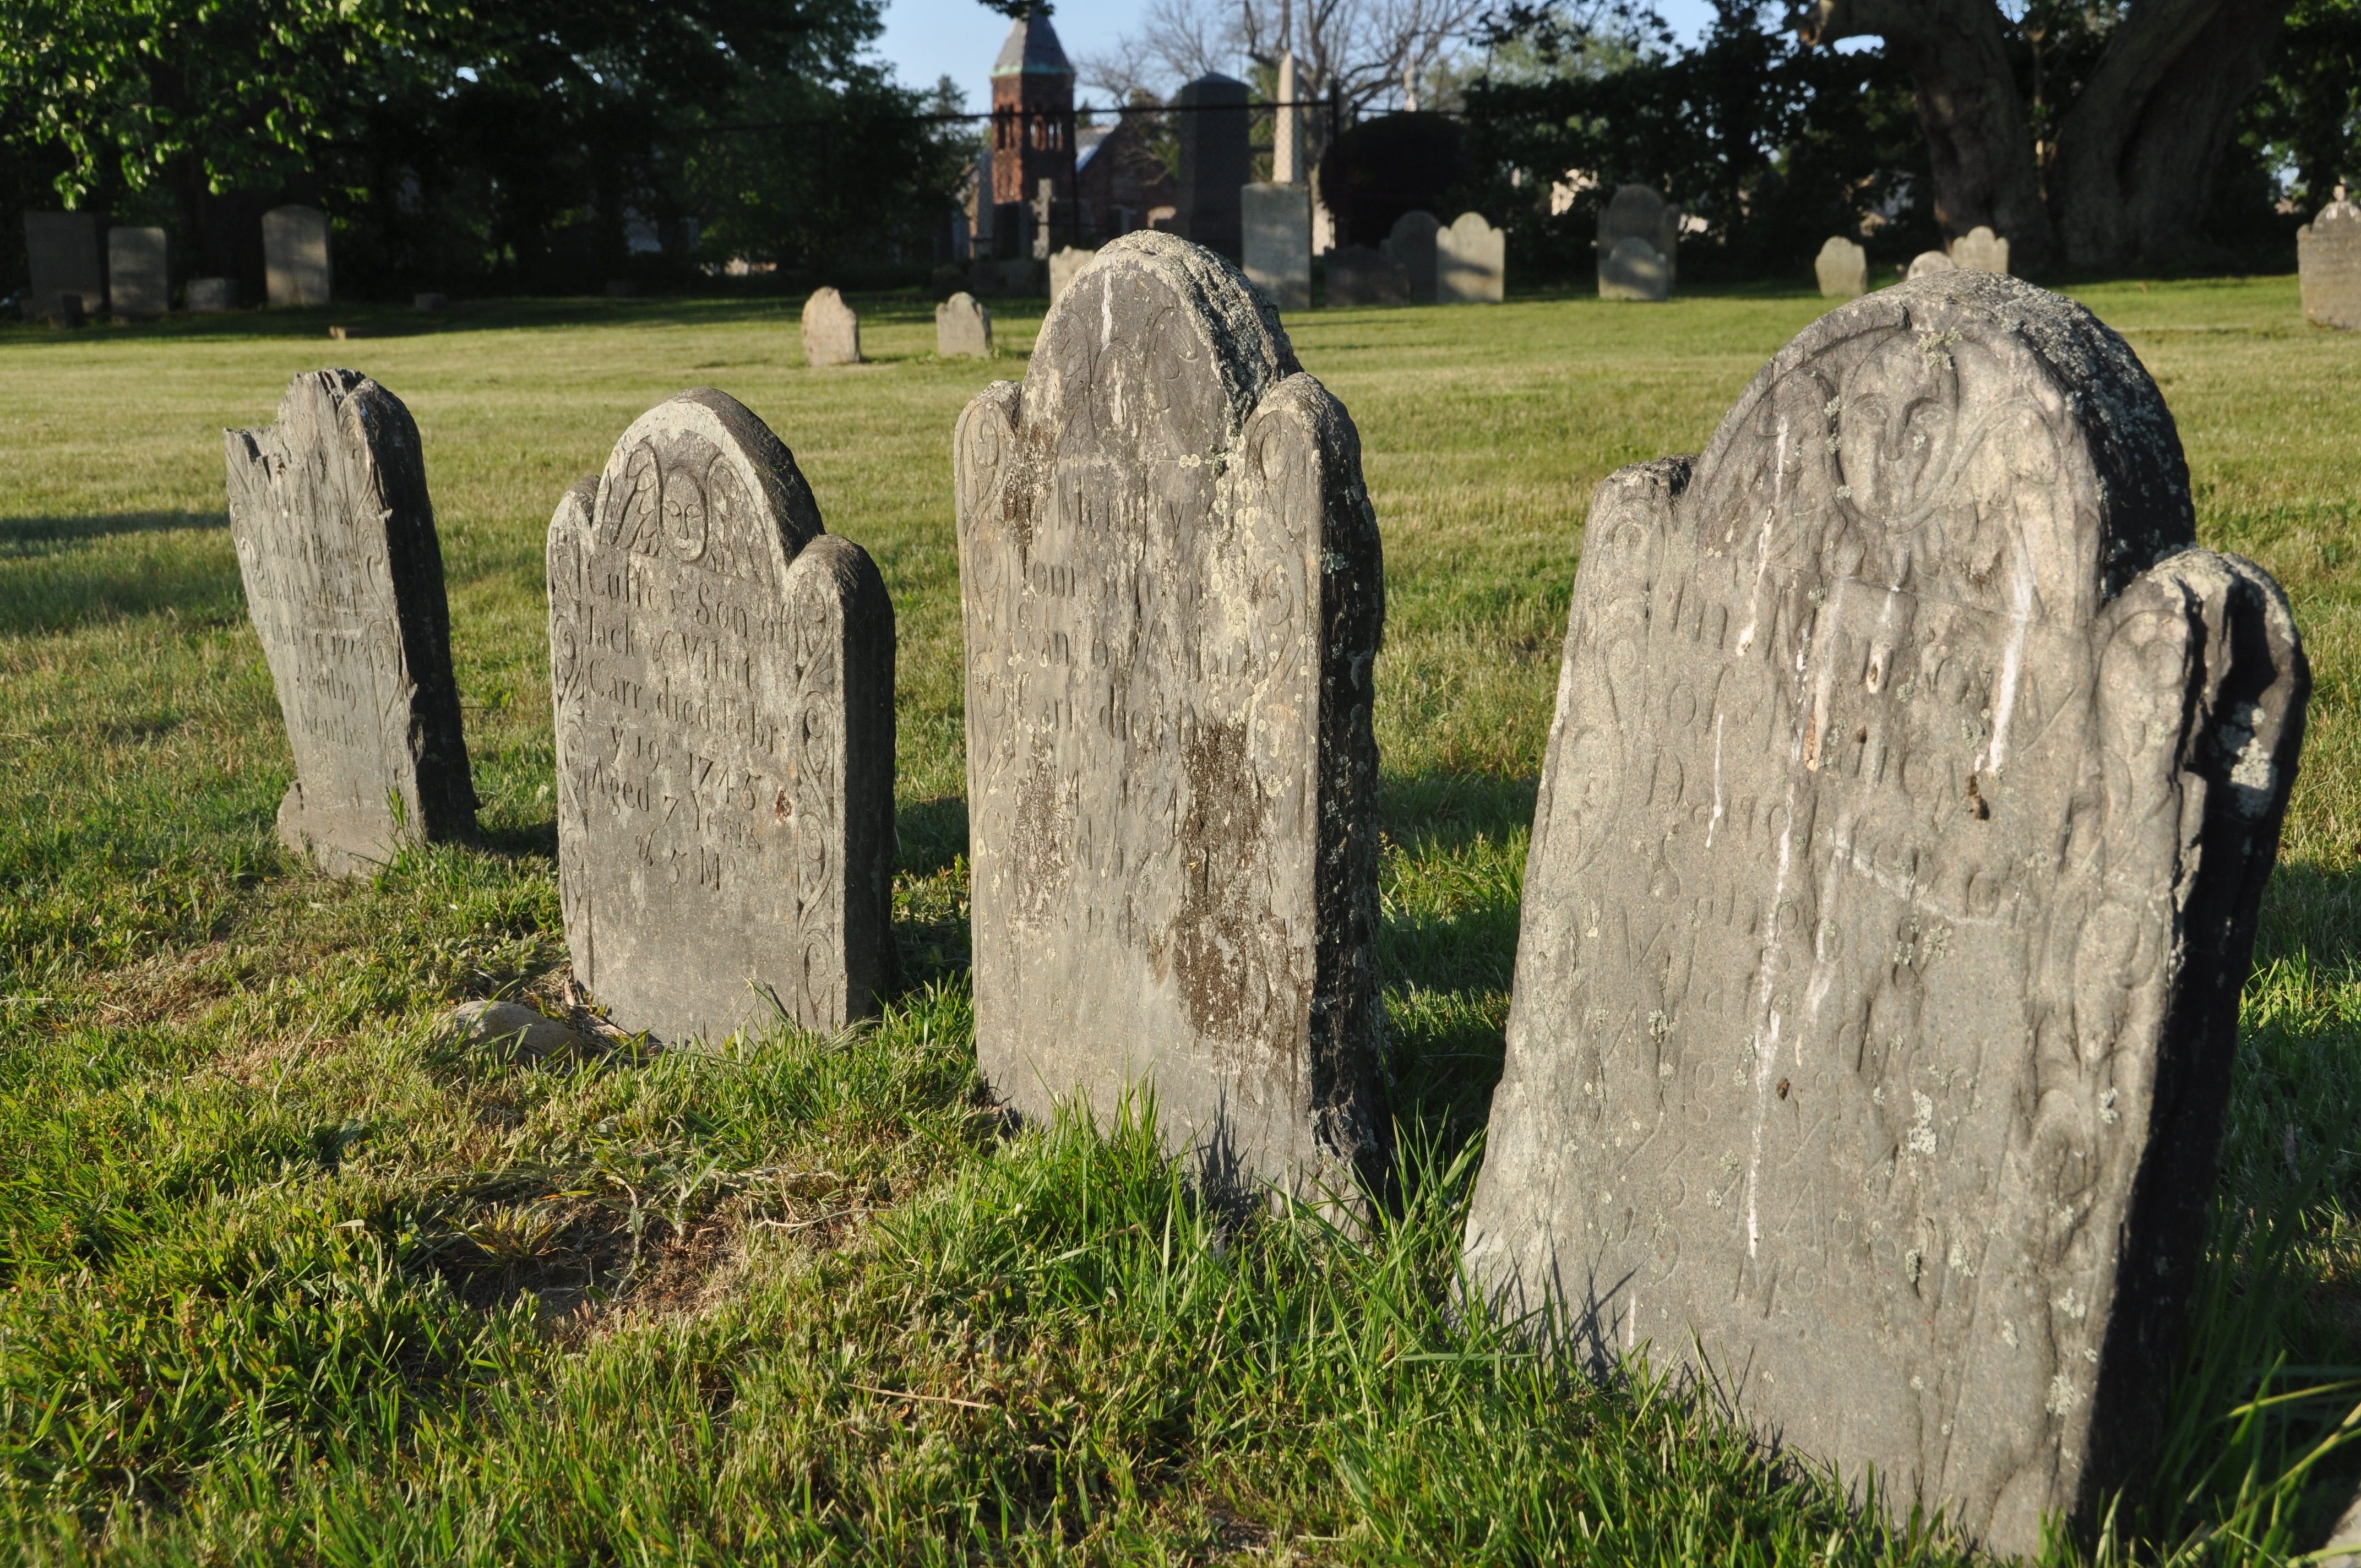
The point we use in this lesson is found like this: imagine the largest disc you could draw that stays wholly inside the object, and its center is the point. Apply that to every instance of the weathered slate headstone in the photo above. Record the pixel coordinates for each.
(1411, 242)
(1843, 268)
(343, 581)
(1913, 782)
(1931, 263)
(1982, 250)
(2328, 260)
(1065, 266)
(1173, 593)
(831, 332)
(1634, 269)
(1471, 262)
(723, 678)
(295, 265)
(1277, 221)
(138, 281)
(1211, 126)
(1637, 212)
(1360, 276)
(63, 255)
(212, 296)
(963, 328)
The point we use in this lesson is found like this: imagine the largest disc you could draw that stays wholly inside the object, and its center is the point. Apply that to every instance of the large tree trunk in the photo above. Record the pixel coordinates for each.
(2137, 151)
(1978, 137)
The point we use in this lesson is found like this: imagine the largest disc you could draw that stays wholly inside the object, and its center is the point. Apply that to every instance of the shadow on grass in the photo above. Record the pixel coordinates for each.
(25, 535)
(55, 575)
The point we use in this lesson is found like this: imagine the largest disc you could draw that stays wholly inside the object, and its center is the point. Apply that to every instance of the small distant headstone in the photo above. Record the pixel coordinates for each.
(1360, 276)
(1412, 242)
(1634, 269)
(63, 251)
(831, 332)
(722, 674)
(1065, 266)
(1471, 262)
(430, 300)
(1843, 267)
(1173, 593)
(1635, 212)
(212, 296)
(295, 256)
(963, 328)
(1929, 263)
(1981, 250)
(138, 283)
(2328, 259)
(1913, 783)
(1211, 124)
(1277, 221)
(343, 581)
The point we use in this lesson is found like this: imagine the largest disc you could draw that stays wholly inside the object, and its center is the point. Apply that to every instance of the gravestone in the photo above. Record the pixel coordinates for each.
(343, 581)
(1931, 263)
(1412, 242)
(1360, 276)
(831, 332)
(963, 328)
(1635, 212)
(212, 296)
(1210, 122)
(1471, 261)
(2328, 259)
(1173, 592)
(722, 671)
(295, 256)
(1635, 269)
(138, 283)
(1982, 250)
(1893, 875)
(1065, 266)
(1276, 224)
(63, 252)
(1288, 143)
(1843, 268)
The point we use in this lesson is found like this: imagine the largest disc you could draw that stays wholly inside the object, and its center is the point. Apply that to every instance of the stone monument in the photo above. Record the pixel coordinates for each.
(2328, 259)
(1929, 263)
(831, 332)
(1843, 267)
(138, 281)
(1288, 164)
(1210, 122)
(62, 249)
(1173, 592)
(1981, 250)
(1471, 262)
(1065, 266)
(1276, 224)
(343, 581)
(1894, 876)
(1412, 242)
(1359, 275)
(295, 256)
(1647, 268)
(722, 673)
(963, 328)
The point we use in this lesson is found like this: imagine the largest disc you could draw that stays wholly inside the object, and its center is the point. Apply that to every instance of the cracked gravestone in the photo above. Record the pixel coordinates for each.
(722, 673)
(1173, 591)
(343, 581)
(1912, 785)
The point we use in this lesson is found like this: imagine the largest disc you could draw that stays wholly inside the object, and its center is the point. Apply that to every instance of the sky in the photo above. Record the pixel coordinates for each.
(929, 39)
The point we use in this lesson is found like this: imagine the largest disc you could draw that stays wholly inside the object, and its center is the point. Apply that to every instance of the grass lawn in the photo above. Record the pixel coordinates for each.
(288, 1275)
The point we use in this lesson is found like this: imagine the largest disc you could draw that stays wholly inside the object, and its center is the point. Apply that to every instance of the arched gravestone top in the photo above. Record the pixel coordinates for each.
(2328, 260)
(343, 581)
(1930, 263)
(722, 676)
(1173, 593)
(1412, 242)
(1980, 250)
(1471, 262)
(1912, 785)
(831, 330)
(963, 328)
(1843, 270)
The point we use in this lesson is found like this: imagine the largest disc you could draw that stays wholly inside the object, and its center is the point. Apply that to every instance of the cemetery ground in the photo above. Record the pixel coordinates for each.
(289, 1273)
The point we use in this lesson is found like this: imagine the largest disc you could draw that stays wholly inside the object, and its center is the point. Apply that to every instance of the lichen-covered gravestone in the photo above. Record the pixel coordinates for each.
(831, 330)
(343, 581)
(723, 679)
(963, 328)
(1173, 593)
(1913, 782)
(1843, 268)
(2328, 257)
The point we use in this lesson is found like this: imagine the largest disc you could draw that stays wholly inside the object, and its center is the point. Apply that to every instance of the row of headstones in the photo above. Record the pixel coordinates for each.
(1893, 874)
(1843, 265)
(74, 278)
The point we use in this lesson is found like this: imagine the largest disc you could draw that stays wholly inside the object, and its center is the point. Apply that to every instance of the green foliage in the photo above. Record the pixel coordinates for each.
(2306, 117)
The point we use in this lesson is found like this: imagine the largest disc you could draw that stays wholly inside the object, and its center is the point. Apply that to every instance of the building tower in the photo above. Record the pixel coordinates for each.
(1032, 138)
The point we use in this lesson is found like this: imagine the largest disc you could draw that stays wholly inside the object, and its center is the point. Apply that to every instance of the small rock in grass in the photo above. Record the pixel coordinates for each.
(483, 1023)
